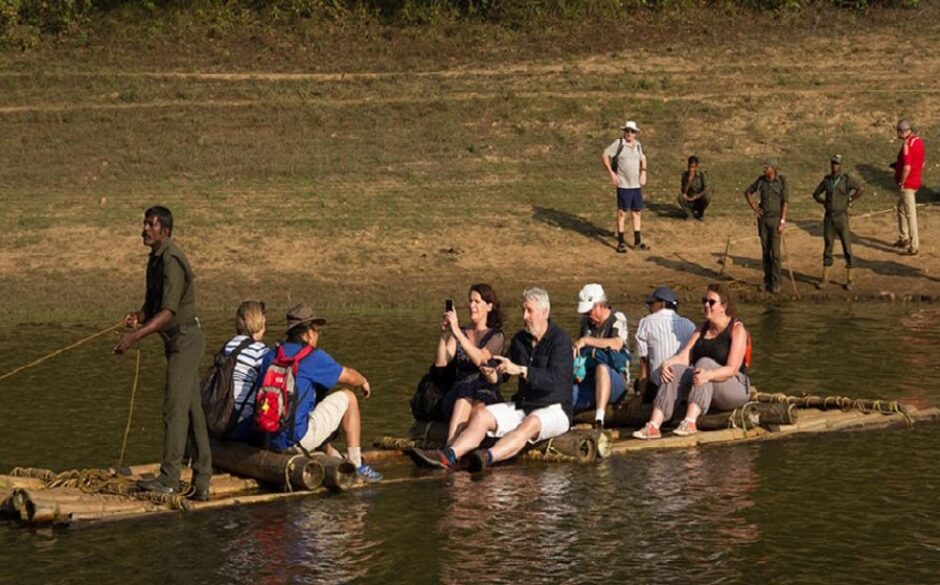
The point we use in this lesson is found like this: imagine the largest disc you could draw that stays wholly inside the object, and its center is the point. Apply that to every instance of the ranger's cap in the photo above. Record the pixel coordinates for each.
(770, 162)
(663, 293)
(836, 158)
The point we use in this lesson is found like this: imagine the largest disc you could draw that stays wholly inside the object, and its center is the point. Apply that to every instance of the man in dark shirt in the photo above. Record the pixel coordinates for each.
(170, 309)
(836, 192)
(540, 356)
(771, 219)
(693, 191)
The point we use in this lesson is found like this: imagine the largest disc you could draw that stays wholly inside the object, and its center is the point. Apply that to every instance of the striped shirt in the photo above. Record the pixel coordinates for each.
(247, 366)
(660, 336)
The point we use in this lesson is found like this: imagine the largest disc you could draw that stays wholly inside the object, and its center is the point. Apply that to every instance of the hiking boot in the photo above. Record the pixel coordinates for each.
(685, 429)
(774, 289)
(911, 252)
(825, 278)
(648, 432)
(478, 461)
(200, 495)
(902, 243)
(156, 486)
(368, 474)
(621, 247)
(848, 279)
(641, 246)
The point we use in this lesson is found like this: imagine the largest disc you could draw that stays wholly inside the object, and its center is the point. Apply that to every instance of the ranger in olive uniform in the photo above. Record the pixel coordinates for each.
(170, 310)
(840, 191)
(771, 219)
(693, 191)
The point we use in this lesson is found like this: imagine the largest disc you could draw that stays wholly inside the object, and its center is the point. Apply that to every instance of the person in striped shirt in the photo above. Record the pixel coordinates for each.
(659, 336)
(250, 327)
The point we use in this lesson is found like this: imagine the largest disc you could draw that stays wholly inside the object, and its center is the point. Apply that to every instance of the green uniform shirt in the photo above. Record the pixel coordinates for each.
(838, 189)
(697, 186)
(773, 194)
(170, 285)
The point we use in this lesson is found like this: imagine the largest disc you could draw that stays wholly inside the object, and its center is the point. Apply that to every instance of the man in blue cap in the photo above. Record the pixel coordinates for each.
(659, 336)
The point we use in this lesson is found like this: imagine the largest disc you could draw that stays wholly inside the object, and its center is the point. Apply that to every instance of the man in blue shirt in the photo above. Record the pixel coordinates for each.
(319, 414)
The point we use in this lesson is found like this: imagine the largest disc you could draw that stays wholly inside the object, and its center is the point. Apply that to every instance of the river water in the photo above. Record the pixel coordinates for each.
(844, 508)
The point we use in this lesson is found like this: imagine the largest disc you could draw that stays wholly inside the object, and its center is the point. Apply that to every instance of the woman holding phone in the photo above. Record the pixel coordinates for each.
(711, 368)
(467, 350)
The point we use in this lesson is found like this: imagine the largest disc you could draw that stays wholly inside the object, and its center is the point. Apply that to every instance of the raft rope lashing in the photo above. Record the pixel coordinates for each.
(845, 403)
(104, 481)
(59, 351)
(287, 471)
(130, 411)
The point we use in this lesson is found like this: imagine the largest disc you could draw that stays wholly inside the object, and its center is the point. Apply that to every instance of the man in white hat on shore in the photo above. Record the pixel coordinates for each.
(626, 166)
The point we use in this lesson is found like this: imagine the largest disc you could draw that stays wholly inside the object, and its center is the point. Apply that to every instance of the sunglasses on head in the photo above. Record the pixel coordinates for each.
(709, 302)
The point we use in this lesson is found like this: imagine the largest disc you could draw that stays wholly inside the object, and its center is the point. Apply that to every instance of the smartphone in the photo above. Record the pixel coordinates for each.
(492, 362)
(448, 305)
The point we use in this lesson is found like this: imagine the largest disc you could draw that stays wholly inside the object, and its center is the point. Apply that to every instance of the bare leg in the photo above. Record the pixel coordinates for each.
(601, 386)
(513, 441)
(636, 220)
(657, 417)
(352, 426)
(460, 415)
(621, 220)
(693, 412)
(480, 423)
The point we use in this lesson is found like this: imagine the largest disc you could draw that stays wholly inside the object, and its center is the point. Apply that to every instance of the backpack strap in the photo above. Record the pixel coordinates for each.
(239, 348)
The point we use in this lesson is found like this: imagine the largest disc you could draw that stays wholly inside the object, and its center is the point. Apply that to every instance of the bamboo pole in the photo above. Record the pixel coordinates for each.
(281, 469)
(783, 241)
(339, 474)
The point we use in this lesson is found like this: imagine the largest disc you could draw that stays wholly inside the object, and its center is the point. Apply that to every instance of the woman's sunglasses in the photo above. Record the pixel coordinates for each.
(709, 302)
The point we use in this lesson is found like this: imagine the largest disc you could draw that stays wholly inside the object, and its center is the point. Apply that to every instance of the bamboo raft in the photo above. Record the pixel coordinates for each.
(38, 497)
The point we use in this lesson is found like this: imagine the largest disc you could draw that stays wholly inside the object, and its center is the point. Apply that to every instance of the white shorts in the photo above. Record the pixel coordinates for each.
(325, 418)
(553, 418)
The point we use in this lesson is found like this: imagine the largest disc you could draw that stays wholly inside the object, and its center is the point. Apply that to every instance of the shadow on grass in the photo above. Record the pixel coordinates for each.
(574, 223)
(757, 264)
(892, 268)
(665, 210)
(879, 176)
(677, 262)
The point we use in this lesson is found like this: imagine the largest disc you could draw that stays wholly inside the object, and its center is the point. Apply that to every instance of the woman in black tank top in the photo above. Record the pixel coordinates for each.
(711, 370)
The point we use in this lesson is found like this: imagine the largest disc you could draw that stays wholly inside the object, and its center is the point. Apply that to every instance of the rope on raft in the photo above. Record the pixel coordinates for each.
(845, 403)
(103, 481)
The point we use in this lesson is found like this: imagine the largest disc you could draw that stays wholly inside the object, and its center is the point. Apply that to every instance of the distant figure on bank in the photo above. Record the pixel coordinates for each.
(540, 356)
(466, 350)
(720, 352)
(693, 191)
(170, 309)
(318, 414)
(659, 336)
(908, 171)
(626, 165)
(771, 212)
(250, 326)
(602, 346)
(836, 192)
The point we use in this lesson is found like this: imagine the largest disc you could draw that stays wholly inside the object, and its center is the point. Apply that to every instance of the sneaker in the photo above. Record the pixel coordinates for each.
(642, 246)
(911, 252)
(368, 474)
(685, 429)
(156, 486)
(648, 432)
(478, 461)
(430, 458)
(902, 243)
(621, 247)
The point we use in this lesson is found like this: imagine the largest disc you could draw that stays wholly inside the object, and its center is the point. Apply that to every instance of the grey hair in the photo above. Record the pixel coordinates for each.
(904, 124)
(539, 296)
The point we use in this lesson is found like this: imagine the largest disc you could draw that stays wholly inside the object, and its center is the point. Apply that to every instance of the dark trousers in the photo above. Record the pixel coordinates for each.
(837, 225)
(182, 408)
(697, 207)
(767, 227)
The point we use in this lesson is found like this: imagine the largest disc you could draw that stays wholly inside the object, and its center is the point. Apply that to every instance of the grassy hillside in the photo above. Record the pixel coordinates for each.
(388, 165)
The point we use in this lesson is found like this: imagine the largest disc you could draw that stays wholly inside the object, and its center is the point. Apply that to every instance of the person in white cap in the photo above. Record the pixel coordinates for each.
(626, 166)
(603, 341)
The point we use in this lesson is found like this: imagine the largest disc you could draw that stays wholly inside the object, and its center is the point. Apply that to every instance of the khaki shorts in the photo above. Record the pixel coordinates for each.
(325, 419)
(553, 418)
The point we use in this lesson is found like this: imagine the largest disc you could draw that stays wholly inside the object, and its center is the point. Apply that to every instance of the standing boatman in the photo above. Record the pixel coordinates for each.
(836, 192)
(771, 219)
(170, 309)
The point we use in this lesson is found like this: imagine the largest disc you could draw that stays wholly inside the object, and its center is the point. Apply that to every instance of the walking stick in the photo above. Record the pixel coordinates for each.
(724, 257)
(783, 242)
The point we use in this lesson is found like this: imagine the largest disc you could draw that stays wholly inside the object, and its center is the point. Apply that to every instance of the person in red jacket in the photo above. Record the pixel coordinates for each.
(907, 174)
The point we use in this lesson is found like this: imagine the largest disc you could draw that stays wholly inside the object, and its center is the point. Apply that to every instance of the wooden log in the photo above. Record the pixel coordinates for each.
(630, 413)
(296, 472)
(577, 445)
(10, 482)
(339, 474)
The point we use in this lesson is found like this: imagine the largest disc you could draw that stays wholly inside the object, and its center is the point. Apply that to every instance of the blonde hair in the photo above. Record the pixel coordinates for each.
(250, 317)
